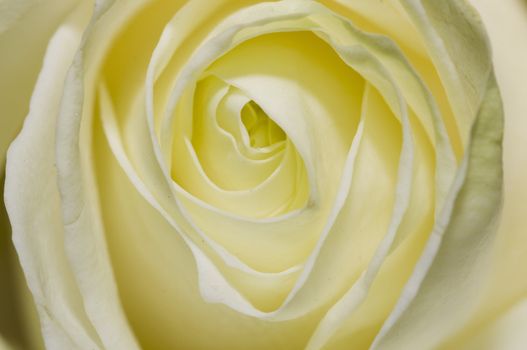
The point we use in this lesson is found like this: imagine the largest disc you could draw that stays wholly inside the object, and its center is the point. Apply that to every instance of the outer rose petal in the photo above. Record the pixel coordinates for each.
(445, 289)
(506, 332)
(30, 178)
(507, 27)
(25, 29)
(501, 320)
(33, 202)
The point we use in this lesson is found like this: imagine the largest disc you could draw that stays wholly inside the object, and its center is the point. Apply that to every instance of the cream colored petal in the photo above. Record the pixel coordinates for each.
(506, 25)
(388, 15)
(26, 27)
(430, 309)
(159, 279)
(445, 288)
(378, 150)
(506, 331)
(355, 319)
(457, 45)
(33, 203)
(84, 236)
(389, 18)
(504, 288)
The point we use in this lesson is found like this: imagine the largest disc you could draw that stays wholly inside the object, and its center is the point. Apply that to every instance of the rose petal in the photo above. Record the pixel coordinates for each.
(32, 23)
(33, 202)
(446, 285)
(506, 331)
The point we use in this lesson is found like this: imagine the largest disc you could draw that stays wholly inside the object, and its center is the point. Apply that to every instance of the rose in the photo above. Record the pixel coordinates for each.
(74, 287)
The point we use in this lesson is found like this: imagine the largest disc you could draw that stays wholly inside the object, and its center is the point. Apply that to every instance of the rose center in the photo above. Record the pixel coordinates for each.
(261, 130)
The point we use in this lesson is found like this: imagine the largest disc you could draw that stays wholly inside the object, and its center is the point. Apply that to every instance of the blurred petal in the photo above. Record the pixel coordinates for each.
(25, 29)
(33, 203)
(3, 344)
(507, 331)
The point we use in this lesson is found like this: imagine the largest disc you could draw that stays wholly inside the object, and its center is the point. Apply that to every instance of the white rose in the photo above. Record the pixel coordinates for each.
(291, 174)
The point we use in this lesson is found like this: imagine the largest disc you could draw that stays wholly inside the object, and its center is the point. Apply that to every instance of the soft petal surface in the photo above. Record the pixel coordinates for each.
(26, 27)
(507, 331)
(39, 232)
(458, 254)
(504, 291)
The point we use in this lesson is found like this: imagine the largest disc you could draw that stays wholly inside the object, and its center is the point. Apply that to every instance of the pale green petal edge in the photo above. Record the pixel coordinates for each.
(443, 291)
(445, 287)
